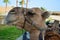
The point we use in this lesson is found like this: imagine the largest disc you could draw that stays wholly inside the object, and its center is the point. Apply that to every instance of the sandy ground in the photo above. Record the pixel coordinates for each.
(56, 17)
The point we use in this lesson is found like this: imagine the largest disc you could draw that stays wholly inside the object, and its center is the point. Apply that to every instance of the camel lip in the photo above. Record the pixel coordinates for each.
(11, 23)
(8, 23)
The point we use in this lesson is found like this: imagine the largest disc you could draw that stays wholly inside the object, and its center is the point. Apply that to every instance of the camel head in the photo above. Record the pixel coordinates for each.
(16, 17)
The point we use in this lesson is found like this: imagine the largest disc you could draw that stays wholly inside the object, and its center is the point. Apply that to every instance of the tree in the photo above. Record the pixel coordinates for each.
(22, 3)
(26, 3)
(16, 3)
(6, 2)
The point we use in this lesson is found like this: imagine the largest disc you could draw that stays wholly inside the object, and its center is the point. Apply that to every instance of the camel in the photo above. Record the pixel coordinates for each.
(32, 20)
(53, 33)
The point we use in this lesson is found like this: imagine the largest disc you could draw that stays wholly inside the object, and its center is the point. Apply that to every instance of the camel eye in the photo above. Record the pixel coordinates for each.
(30, 14)
(12, 11)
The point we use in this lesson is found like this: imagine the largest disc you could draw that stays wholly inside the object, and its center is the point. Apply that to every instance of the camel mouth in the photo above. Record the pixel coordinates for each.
(10, 23)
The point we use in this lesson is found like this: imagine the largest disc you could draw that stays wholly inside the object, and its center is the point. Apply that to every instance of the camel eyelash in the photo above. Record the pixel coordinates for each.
(12, 12)
(30, 13)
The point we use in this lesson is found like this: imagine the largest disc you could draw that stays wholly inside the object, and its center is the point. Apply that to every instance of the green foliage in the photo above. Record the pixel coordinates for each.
(5, 1)
(9, 32)
(20, 3)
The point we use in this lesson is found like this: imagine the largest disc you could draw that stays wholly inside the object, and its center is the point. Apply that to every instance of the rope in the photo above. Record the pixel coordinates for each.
(24, 14)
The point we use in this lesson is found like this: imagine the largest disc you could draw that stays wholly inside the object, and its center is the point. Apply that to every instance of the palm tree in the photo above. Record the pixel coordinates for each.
(26, 3)
(6, 2)
(22, 3)
(16, 3)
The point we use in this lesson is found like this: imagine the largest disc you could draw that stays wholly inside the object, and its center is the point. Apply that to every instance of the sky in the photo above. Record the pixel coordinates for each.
(51, 5)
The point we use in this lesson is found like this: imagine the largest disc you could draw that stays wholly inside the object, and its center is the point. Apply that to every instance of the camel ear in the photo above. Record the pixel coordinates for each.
(45, 14)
